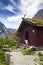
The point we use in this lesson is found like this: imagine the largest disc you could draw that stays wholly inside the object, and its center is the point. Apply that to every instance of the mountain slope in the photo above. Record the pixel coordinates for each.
(39, 14)
(4, 31)
(3, 28)
(11, 30)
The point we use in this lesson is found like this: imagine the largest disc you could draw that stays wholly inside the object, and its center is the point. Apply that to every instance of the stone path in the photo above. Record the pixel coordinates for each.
(18, 58)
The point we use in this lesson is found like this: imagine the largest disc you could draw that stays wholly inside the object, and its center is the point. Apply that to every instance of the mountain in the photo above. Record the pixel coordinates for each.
(11, 30)
(4, 31)
(3, 28)
(39, 14)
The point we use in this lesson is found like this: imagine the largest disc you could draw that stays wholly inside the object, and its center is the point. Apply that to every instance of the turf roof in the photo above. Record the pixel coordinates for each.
(38, 21)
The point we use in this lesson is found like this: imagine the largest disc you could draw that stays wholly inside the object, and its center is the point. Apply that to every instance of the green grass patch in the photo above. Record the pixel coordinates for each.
(27, 52)
(6, 41)
(2, 64)
(40, 58)
(37, 20)
(2, 57)
(40, 54)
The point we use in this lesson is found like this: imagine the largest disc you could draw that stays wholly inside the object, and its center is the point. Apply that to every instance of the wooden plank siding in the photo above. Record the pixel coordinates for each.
(35, 34)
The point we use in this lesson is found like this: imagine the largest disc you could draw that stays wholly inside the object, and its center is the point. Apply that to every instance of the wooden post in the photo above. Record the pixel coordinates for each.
(7, 57)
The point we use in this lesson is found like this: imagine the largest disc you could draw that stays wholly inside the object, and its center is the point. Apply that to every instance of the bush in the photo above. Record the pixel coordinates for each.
(40, 58)
(40, 54)
(27, 52)
(2, 57)
(1, 41)
(2, 64)
(6, 41)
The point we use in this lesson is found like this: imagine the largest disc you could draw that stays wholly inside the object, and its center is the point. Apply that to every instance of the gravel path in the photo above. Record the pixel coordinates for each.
(18, 58)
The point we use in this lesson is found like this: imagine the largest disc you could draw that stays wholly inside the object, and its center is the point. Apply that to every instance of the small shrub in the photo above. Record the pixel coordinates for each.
(2, 64)
(14, 47)
(6, 41)
(27, 52)
(2, 57)
(40, 60)
(40, 54)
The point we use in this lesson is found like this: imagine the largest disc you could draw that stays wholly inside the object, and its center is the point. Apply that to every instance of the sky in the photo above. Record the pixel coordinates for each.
(12, 11)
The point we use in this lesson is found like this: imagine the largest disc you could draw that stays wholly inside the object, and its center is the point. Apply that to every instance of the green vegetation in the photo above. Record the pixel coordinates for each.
(37, 20)
(40, 54)
(16, 38)
(39, 61)
(2, 64)
(2, 57)
(40, 58)
(12, 42)
(6, 41)
(27, 52)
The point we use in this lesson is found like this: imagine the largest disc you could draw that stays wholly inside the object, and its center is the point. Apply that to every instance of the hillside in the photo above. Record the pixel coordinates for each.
(39, 14)
(4, 31)
(10, 30)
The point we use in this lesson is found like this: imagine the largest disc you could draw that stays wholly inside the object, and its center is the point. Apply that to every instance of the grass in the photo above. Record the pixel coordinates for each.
(40, 54)
(40, 60)
(27, 52)
(2, 57)
(37, 20)
(9, 41)
(2, 64)
(6, 41)
(40, 57)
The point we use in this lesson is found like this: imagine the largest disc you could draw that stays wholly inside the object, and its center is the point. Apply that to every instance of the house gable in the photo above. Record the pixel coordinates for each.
(26, 23)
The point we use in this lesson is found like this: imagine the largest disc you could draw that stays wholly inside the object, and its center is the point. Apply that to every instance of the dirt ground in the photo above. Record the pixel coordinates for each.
(17, 58)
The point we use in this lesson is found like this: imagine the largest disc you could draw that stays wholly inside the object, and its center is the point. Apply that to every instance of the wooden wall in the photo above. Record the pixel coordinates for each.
(35, 37)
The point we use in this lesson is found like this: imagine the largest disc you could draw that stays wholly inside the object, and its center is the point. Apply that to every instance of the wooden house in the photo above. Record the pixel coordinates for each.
(32, 32)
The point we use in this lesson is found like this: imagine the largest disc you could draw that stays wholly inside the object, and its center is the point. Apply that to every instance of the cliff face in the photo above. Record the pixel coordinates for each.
(39, 14)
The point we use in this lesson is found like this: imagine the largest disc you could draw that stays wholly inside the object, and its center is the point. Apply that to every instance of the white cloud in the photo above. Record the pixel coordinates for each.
(10, 8)
(8, 24)
(14, 4)
(29, 7)
(15, 18)
(40, 5)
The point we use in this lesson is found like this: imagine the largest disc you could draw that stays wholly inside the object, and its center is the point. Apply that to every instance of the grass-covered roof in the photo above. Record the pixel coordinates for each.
(38, 21)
